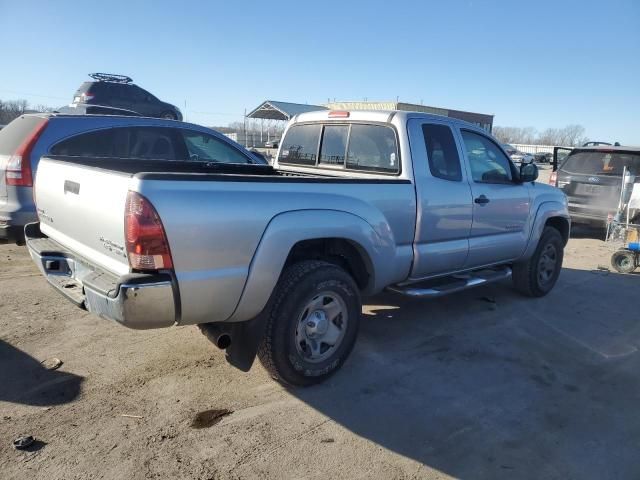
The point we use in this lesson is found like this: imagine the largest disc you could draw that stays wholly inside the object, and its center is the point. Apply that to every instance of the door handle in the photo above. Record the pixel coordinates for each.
(481, 200)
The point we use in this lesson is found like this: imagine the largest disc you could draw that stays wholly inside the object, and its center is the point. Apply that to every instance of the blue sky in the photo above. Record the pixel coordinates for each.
(538, 63)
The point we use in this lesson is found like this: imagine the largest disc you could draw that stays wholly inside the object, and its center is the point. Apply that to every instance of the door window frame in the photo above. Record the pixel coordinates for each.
(512, 167)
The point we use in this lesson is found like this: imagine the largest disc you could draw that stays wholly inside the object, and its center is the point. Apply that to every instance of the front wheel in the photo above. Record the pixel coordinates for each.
(536, 276)
(312, 323)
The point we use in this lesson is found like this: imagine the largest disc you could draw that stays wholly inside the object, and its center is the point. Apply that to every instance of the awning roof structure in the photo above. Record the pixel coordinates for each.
(272, 110)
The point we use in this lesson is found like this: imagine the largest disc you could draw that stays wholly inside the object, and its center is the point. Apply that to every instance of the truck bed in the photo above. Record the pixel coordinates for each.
(217, 217)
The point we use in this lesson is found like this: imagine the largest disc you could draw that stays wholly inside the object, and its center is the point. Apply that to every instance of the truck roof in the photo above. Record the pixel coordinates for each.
(382, 116)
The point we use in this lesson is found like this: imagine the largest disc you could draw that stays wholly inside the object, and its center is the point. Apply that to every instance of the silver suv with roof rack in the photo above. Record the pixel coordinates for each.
(25, 140)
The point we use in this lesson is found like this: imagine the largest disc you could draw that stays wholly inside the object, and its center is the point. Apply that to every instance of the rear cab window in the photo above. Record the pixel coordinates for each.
(351, 147)
(300, 145)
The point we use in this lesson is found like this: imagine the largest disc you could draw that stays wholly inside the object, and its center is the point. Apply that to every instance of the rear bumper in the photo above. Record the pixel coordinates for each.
(15, 214)
(588, 214)
(139, 301)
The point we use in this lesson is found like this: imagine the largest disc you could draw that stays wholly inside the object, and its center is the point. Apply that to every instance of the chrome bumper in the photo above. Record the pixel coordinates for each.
(140, 301)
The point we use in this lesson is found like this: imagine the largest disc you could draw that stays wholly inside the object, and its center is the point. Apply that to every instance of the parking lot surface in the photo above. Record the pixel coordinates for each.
(482, 384)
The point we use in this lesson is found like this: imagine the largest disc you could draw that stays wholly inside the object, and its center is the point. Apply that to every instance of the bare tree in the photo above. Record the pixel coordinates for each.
(574, 135)
(42, 108)
(571, 135)
(515, 134)
(11, 109)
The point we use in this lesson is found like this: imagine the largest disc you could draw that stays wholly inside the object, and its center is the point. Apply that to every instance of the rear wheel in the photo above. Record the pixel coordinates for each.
(169, 116)
(624, 261)
(312, 323)
(538, 275)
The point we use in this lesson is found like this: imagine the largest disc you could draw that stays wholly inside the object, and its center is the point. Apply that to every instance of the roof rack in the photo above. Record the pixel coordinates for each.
(110, 77)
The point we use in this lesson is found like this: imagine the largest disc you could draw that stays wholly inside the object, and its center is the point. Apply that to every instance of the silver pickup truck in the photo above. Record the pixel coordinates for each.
(274, 260)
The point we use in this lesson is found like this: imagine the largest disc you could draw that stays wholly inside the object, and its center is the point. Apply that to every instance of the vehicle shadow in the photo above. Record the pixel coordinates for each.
(585, 231)
(489, 384)
(25, 381)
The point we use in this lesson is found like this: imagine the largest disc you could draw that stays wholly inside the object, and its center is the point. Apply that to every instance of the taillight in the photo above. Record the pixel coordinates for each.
(338, 114)
(147, 245)
(87, 96)
(18, 172)
(553, 179)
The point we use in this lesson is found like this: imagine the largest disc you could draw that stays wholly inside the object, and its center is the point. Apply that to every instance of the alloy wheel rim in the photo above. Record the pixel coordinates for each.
(547, 264)
(321, 327)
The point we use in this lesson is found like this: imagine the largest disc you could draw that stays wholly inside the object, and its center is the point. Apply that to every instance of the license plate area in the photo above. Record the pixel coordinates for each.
(590, 189)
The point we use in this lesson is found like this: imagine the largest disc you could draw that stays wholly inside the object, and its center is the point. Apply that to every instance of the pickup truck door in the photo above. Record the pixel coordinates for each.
(501, 205)
(444, 203)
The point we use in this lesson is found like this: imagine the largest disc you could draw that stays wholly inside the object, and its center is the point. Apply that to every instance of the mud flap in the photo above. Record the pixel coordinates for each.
(245, 337)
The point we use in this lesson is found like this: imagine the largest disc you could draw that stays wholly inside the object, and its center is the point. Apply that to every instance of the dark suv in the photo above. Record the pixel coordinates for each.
(120, 92)
(591, 178)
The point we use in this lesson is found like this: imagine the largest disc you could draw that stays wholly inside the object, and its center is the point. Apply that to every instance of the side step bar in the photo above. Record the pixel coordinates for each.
(456, 283)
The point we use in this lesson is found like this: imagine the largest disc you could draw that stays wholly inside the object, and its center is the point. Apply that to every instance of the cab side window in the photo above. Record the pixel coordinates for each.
(487, 161)
(442, 152)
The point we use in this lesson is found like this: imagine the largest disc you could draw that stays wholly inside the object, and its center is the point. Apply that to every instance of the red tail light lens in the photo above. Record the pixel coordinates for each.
(147, 245)
(553, 179)
(338, 114)
(18, 172)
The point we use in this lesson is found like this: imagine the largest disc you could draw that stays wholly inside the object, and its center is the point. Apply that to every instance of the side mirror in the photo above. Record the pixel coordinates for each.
(528, 172)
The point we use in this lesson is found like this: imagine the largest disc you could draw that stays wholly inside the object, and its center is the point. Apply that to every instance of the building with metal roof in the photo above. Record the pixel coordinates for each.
(274, 110)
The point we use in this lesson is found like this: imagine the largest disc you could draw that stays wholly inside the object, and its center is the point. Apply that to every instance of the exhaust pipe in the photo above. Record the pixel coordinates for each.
(218, 334)
(223, 341)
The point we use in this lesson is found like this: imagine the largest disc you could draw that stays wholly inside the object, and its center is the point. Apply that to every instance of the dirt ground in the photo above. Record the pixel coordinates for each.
(482, 384)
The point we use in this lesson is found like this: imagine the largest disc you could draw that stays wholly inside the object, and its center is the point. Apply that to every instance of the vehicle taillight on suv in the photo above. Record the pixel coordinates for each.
(553, 179)
(18, 171)
(145, 238)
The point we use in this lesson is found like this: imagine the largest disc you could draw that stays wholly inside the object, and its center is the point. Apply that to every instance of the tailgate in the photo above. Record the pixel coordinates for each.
(82, 208)
(599, 192)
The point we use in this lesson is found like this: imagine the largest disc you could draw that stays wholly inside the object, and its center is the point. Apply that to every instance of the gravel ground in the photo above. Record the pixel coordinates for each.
(482, 384)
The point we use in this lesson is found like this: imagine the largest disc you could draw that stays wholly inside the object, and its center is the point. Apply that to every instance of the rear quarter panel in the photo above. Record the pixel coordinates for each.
(214, 229)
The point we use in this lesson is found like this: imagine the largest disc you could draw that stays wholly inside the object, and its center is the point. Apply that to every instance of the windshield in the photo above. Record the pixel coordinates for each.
(601, 163)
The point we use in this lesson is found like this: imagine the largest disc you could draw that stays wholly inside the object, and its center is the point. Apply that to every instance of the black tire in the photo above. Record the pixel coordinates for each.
(535, 277)
(280, 349)
(168, 116)
(624, 261)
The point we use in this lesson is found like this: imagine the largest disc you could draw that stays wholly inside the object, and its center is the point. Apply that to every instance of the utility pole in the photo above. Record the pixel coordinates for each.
(244, 127)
